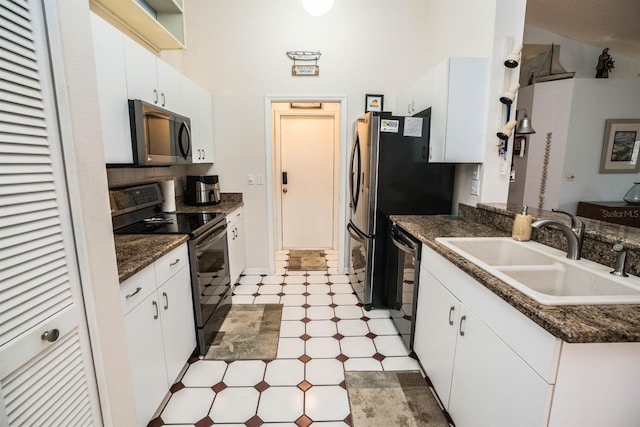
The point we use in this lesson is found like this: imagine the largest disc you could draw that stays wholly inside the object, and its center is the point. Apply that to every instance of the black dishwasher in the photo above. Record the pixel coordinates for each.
(402, 292)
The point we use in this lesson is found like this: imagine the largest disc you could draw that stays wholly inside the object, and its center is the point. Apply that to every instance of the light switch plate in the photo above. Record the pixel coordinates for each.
(475, 187)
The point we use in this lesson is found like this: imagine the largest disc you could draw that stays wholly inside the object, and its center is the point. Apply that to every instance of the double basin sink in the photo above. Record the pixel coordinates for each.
(544, 273)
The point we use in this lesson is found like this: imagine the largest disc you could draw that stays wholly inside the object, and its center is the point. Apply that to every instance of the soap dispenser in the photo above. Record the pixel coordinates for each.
(522, 226)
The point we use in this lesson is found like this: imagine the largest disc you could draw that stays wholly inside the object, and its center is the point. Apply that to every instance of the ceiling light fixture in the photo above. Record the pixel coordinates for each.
(317, 7)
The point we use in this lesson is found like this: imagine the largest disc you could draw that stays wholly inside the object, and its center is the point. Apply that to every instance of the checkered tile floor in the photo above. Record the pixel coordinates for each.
(324, 333)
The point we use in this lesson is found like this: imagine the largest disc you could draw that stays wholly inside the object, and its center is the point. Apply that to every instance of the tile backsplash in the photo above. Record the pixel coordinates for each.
(119, 177)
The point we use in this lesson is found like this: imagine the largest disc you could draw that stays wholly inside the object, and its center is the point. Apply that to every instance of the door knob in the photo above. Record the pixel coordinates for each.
(51, 335)
(284, 190)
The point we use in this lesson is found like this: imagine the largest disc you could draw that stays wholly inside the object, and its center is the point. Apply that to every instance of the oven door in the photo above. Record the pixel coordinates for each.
(211, 283)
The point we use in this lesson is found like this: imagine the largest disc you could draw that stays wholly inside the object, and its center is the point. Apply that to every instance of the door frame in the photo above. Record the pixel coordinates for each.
(342, 153)
(277, 115)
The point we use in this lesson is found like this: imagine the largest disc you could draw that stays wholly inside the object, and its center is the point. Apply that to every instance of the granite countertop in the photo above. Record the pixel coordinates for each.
(571, 323)
(136, 251)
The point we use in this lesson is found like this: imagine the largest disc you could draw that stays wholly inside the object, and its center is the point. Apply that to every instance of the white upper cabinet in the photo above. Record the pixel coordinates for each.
(457, 91)
(112, 91)
(459, 110)
(149, 78)
(196, 103)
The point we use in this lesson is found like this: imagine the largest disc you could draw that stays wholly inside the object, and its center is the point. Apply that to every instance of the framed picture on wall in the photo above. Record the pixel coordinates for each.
(620, 146)
(373, 103)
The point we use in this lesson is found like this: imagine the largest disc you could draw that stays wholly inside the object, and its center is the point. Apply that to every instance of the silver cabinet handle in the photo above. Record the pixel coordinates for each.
(460, 330)
(413, 106)
(155, 96)
(166, 300)
(174, 262)
(51, 335)
(138, 289)
(155, 309)
(451, 310)
(163, 99)
(203, 155)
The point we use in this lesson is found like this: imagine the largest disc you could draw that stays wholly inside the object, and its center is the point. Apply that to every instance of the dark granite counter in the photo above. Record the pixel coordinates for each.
(571, 323)
(136, 251)
(228, 203)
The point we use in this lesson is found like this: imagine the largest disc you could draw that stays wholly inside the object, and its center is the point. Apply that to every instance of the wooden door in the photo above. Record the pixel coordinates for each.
(306, 143)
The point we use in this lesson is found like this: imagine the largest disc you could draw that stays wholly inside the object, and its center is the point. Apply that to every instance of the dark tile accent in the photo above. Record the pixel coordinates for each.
(304, 358)
(261, 386)
(156, 422)
(304, 421)
(365, 318)
(333, 305)
(304, 385)
(192, 360)
(359, 304)
(406, 317)
(305, 306)
(205, 422)
(254, 421)
(306, 294)
(305, 320)
(371, 335)
(348, 421)
(281, 294)
(255, 294)
(176, 387)
(335, 319)
(342, 358)
(331, 293)
(338, 336)
(343, 384)
(379, 357)
(219, 387)
(305, 337)
(413, 355)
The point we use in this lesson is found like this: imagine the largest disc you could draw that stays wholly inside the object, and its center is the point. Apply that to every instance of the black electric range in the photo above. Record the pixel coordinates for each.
(138, 210)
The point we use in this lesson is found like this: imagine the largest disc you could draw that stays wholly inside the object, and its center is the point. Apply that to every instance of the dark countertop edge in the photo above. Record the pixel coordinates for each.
(560, 321)
(130, 264)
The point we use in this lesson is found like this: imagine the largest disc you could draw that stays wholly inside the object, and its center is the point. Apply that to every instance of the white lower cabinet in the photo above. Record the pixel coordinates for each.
(235, 244)
(160, 328)
(493, 366)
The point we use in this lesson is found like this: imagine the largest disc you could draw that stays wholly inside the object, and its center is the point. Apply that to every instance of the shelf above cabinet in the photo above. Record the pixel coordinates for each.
(163, 31)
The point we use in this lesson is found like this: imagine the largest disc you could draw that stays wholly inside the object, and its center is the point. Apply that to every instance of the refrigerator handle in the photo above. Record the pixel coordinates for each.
(284, 178)
(357, 233)
(354, 181)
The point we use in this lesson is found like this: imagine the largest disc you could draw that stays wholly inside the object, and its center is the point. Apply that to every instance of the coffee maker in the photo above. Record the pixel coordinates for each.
(202, 190)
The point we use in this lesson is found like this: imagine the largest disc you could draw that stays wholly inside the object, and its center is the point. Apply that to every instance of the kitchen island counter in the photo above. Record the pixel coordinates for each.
(571, 323)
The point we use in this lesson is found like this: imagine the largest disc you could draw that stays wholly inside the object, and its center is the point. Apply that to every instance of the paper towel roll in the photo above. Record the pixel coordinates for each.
(169, 194)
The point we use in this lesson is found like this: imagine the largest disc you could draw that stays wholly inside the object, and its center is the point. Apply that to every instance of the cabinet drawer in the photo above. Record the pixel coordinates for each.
(136, 288)
(171, 263)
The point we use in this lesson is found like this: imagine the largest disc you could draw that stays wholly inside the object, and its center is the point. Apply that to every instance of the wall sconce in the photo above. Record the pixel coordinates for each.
(317, 7)
(524, 125)
(509, 95)
(505, 131)
(513, 59)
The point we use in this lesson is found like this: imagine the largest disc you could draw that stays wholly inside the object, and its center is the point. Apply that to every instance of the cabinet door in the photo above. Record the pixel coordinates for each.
(491, 385)
(405, 102)
(168, 86)
(235, 239)
(436, 331)
(202, 127)
(178, 327)
(440, 91)
(146, 357)
(112, 91)
(423, 93)
(142, 80)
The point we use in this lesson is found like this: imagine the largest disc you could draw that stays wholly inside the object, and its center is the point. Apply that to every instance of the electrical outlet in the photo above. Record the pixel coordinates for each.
(251, 179)
(476, 172)
(475, 187)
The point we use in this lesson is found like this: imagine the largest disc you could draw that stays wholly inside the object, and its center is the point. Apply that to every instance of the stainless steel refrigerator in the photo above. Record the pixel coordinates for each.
(389, 175)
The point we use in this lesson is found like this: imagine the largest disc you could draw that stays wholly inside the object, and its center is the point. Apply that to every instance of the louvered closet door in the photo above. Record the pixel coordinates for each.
(44, 382)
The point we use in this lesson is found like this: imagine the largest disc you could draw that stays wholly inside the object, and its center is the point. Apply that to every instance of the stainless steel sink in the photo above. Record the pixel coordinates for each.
(544, 273)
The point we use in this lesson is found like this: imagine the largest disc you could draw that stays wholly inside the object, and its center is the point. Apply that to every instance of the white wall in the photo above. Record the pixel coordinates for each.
(237, 50)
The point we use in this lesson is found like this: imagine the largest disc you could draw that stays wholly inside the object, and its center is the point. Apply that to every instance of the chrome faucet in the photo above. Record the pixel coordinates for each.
(621, 260)
(575, 234)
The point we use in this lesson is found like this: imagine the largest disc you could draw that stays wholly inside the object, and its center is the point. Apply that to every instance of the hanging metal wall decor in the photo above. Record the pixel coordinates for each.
(304, 69)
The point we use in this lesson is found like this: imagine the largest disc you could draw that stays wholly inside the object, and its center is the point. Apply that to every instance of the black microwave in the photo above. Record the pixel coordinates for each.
(159, 137)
